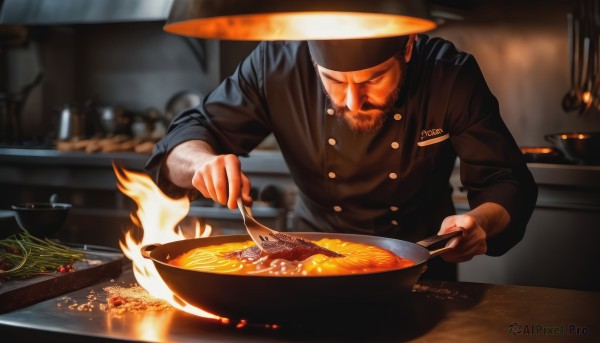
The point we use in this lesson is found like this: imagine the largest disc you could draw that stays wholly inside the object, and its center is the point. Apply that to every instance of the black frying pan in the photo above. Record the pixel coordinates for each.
(280, 299)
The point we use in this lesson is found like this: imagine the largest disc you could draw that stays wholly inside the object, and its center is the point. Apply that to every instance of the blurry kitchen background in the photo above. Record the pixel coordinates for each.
(119, 56)
(126, 59)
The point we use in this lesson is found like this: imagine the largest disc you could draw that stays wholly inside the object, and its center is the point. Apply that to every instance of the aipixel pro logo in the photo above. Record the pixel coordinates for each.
(547, 330)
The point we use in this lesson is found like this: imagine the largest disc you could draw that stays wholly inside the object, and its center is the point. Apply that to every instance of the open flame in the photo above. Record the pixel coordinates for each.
(158, 215)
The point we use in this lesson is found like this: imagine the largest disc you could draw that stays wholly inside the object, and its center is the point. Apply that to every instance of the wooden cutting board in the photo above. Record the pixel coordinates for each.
(96, 265)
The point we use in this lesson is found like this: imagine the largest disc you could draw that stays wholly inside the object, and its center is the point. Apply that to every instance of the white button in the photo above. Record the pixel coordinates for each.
(395, 145)
(330, 111)
(331, 141)
(331, 175)
(393, 176)
(337, 208)
(397, 116)
(394, 222)
(394, 208)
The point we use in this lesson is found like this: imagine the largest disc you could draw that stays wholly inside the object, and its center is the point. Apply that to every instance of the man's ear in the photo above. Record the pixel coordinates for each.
(409, 47)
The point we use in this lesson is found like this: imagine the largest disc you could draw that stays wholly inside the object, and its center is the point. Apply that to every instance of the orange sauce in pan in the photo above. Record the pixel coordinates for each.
(357, 258)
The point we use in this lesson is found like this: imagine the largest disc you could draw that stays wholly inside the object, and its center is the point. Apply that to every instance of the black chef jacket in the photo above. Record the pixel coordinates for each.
(393, 182)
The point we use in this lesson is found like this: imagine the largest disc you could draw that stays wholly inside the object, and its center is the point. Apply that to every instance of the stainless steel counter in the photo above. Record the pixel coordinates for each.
(436, 311)
(262, 161)
(46, 167)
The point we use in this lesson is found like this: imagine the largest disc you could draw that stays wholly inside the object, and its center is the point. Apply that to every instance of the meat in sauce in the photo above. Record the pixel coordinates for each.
(285, 247)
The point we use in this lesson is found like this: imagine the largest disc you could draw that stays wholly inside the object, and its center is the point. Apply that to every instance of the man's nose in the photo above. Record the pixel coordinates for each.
(354, 97)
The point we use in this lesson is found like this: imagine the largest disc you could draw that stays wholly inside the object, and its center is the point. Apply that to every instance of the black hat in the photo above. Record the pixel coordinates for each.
(355, 54)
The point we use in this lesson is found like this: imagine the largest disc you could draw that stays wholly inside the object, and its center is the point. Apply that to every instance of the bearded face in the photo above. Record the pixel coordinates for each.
(363, 99)
(370, 117)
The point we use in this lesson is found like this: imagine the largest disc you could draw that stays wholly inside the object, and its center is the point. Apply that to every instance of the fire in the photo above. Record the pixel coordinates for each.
(159, 216)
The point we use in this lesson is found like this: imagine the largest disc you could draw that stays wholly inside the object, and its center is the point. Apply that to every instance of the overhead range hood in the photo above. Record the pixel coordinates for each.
(49, 12)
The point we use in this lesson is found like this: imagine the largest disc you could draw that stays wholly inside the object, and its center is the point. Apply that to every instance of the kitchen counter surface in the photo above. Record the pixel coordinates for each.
(49, 157)
(271, 161)
(80, 170)
(261, 160)
(436, 312)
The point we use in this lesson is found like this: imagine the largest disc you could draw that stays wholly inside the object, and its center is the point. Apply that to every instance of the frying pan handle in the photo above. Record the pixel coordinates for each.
(427, 242)
(550, 138)
(146, 250)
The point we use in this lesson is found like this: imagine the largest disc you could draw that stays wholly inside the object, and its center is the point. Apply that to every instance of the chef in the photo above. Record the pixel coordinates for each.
(370, 130)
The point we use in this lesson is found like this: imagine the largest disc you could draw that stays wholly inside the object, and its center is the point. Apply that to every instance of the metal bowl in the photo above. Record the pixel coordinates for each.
(578, 147)
(41, 219)
(179, 102)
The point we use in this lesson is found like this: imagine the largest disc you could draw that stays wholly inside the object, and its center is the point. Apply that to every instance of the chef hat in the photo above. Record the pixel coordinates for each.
(355, 54)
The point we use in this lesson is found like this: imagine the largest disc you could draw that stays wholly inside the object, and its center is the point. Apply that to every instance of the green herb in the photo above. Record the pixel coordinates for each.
(24, 255)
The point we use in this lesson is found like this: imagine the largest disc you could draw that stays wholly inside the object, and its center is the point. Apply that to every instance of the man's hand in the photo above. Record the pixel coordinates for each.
(471, 243)
(218, 177)
(482, 222)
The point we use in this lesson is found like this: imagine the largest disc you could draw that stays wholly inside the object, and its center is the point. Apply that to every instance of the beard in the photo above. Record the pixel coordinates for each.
(371, 117)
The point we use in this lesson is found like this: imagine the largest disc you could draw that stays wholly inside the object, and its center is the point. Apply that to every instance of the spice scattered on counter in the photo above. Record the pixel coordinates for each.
(117, 300)
(132, 299)
(438, 293)
(73, 305)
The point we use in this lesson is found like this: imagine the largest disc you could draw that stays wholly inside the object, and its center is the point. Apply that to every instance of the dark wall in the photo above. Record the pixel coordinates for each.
(521, 48)
(134, 65)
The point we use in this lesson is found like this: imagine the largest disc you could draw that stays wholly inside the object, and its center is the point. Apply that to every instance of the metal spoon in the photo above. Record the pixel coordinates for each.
(587, 95)
(572, 99)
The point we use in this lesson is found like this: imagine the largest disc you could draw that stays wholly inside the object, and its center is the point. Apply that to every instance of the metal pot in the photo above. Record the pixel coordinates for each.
(41, 219)
(70, 123)
(578, 147)
(286, 299)
(179, 102)
(542, 154)
(114, 120)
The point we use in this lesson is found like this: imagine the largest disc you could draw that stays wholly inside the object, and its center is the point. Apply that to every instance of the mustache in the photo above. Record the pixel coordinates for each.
(367, 106)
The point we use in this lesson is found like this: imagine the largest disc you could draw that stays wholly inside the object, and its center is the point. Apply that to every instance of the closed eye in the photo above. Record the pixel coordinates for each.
(332, 79)
(374, 81)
